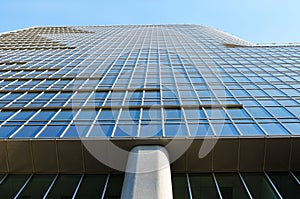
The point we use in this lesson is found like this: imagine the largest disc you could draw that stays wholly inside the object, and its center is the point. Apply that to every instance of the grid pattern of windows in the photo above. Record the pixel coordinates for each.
(196, 185)
(158, 80)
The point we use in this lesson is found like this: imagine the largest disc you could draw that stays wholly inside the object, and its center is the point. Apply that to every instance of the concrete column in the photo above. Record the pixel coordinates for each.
(148, 174)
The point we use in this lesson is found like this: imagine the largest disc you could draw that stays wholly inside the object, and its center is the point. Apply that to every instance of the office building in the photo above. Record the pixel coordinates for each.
(81, 107)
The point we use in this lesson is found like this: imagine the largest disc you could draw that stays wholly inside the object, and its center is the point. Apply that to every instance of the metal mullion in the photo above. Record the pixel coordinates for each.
(273, 186)
(47, 124)
(12, 116)
(24, 185)
(70, 124)
(245, 185)
(11, 102)
(189, 185)
(298, 181)
(50, 187)
(25, 123)
(78, 186)
(217, 185)
(2, 179)
(105, 186)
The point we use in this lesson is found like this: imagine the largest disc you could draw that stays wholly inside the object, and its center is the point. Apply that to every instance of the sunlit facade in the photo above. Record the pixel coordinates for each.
(131, 85)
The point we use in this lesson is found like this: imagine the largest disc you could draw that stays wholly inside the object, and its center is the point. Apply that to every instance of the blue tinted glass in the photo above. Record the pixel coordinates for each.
(6, 114)
(149, 114)
(130, 114)
(200, 130)
(103, 130)
(6, 131)
(108, 114)
(65, 115)
(28, 131)
(274, 129)
(295, 111)
(52, 131)
(99, 95)
(194, 113)
(216, 113)
(86, 115)
(250, 129)
(150, 130)
(76, 131)
(225, 130)
(44, 115)
(126, 130)
(279, 112)
(176, 129)
(259, 112)
(173, 114)
(237, 113)
(23, 115)
(294, 128)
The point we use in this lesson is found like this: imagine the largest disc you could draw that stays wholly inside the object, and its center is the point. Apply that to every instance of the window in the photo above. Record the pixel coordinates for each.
(250, 129)
(274, 129)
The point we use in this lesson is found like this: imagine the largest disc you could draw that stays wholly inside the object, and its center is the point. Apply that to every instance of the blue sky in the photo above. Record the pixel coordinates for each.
(257, 21)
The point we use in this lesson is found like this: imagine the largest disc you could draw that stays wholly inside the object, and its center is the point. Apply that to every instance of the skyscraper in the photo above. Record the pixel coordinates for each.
(189, 108)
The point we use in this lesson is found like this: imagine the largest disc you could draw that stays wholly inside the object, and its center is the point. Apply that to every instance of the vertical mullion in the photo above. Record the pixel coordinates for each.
(217, 185)
(189, 185)
(50, 187)
(273, 186)
(78, 186)
(295, 177)
(245, 185)
(105, 186)
(22, 188)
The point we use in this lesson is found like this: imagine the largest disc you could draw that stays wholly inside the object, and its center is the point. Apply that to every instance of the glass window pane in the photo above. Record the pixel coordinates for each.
(91, 186)
(250, 129)
(6, 114)
(258, 186)
(203, 186)
(175, 129)
(286, 185)
(65, 115)
(237, 113)
(12, 184)
(194, 113)
(258, 112)
(279, 112)
(231, 186)
(149, 114)
(179, 185)
(23, 115)
(225, 129)
(200, 129)
(52, 131)
(173, 114)
(44, 115)
(130, 114)
(274, 129)
(28, 131)
(126, 130)
(64, 186)
(7, 130)
(37, 186)
(108, 114)
(151, 130)
(77, 131)
(101, 130)
(294, 128)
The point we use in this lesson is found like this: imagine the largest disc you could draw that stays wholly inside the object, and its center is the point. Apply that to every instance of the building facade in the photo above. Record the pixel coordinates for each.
(74, 102)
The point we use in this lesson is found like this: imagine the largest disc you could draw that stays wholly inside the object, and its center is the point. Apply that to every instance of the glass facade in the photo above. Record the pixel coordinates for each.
(185, 185)
(142, 81)
(121, 77)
